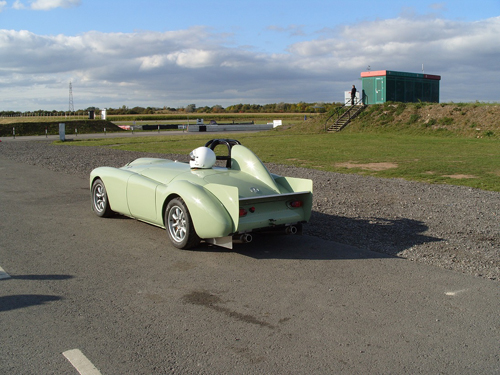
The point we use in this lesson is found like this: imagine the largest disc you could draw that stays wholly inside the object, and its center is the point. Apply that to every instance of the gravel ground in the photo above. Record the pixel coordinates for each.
(452, 227)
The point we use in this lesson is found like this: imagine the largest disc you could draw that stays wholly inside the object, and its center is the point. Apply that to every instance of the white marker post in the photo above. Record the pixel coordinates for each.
(62, 131)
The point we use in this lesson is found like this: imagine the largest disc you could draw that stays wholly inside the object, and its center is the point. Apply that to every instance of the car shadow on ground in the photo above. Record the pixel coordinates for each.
(384, 235)
(19, 301)
(25, 300)
(350, 238)
(41, 277)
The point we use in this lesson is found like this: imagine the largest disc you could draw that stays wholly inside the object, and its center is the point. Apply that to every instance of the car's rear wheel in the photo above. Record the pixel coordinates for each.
(100, 202)
(179, 225)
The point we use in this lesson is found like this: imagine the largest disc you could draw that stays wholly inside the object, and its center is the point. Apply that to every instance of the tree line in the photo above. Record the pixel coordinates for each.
(281, 107)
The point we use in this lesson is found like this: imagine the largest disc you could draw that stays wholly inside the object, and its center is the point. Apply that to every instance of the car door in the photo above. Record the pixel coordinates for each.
(141, 197)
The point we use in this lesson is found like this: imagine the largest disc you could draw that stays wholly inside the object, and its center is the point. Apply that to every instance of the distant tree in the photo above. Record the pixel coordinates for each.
(190, 108)
(234, 108)
(280, 107)
(255, 108)
(217, 109)
(269, 108)
(136, 111)
(301, 107)
(205, 109)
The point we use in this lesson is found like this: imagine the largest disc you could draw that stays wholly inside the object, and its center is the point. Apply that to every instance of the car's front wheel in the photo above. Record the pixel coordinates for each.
(179, 225)
(100, 202)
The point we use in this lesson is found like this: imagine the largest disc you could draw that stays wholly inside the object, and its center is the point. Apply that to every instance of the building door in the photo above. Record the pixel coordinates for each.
(379, 90)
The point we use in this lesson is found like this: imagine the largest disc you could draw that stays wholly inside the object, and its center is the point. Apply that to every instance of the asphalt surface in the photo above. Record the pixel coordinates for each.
(116, 291)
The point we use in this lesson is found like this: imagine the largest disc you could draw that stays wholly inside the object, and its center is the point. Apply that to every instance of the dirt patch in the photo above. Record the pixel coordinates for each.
(460, 176)
(368, 166)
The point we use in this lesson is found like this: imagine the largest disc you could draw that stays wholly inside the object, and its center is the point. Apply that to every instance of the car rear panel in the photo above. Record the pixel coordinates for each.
(271, 211)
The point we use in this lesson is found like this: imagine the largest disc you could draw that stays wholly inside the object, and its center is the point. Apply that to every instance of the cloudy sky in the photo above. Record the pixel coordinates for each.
(174, 53)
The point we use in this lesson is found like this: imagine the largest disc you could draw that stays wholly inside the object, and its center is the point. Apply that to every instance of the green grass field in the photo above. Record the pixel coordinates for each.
(473, 162)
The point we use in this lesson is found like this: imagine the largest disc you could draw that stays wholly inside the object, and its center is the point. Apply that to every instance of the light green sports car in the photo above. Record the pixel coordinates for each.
(198, 200)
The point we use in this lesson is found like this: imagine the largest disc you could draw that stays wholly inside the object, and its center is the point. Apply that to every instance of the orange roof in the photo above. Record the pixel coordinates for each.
(375, 73)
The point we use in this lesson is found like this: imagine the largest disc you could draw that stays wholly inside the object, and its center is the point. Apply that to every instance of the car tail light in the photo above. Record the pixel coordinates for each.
(244, 211)
(295, 204)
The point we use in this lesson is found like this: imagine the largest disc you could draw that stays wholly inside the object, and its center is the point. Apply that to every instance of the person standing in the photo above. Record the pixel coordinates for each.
(353, 94)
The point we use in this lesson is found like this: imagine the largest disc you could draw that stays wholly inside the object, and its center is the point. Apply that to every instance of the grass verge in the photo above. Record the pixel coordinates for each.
(446, 160)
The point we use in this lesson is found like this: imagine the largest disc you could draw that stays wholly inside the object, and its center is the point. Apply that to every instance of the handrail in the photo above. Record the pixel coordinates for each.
(357, 101)
(337, 112)
(348, 111)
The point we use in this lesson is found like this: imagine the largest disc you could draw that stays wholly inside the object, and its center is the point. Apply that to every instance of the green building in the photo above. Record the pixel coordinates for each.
(389, 86)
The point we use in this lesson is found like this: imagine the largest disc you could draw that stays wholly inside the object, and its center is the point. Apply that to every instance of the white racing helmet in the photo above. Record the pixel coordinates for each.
(202, 157)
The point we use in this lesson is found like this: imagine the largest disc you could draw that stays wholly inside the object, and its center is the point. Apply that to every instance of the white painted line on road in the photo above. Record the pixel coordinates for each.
(454, 293)
(3, 274)
(80, 362)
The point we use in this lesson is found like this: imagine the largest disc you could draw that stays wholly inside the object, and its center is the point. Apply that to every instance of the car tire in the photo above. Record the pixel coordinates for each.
(100, 201)
(179, 225)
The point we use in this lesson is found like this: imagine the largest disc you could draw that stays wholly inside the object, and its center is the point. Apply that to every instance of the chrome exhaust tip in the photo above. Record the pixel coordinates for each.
(246, 238)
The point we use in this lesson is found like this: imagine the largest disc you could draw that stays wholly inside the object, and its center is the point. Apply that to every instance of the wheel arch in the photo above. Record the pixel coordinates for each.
(114, 179)
(165, 204)
(209, 216)
(99, 198)
(94, 178)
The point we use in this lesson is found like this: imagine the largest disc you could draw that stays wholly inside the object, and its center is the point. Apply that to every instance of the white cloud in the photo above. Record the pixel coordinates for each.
(406, 43)
(3, 4)
(18, 5)
(195, 66)
(46, 4)
(193, 58)
(153, 62)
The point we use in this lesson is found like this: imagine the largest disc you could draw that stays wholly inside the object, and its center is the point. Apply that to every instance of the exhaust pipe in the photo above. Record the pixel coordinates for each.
(246, 238)
(291, 229)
